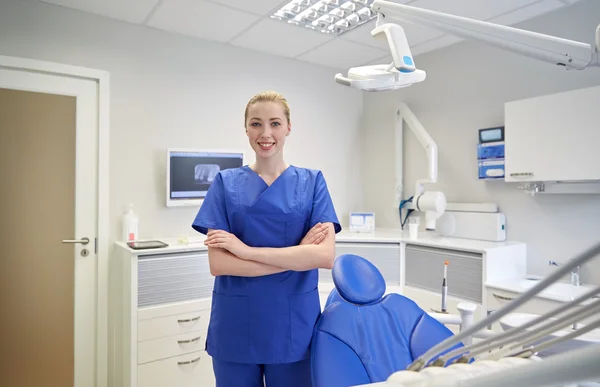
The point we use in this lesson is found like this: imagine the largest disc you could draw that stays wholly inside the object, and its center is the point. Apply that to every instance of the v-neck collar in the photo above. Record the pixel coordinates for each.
(263, 180)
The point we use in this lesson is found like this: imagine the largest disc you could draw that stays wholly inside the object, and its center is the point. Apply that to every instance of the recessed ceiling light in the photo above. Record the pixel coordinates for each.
(327, 16)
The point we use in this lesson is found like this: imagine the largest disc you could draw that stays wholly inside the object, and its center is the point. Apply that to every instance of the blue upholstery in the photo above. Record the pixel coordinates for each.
(362, 336)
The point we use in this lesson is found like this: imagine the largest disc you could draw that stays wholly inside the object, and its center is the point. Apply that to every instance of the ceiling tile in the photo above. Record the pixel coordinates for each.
(259, 7)
(527, 12)
(129, 11)
(362, 35)
(441, 42)
(278, 38)
(475, 9)
(342, 54)
(201, 19)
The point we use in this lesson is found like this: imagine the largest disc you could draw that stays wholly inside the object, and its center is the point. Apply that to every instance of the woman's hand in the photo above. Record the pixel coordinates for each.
(315, 235)
(228, 241)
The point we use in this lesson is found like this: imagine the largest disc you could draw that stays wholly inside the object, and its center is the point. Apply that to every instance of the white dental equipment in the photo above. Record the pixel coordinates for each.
(403, 72)
(362, 222)
(432, 203)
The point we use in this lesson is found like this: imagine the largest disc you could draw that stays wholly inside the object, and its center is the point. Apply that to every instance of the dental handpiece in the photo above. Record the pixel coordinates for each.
(445, 288)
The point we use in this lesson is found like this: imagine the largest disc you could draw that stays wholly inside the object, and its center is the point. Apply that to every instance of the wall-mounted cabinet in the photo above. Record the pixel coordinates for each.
(553, 138)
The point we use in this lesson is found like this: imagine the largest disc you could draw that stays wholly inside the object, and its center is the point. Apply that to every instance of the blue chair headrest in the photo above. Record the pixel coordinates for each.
(357, 280)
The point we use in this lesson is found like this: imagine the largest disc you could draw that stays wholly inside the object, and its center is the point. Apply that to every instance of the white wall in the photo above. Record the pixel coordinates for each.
(466, 88)
(173, 91)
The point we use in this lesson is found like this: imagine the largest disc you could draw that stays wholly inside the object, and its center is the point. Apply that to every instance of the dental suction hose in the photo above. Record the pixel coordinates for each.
(583, 257)
(494, 339)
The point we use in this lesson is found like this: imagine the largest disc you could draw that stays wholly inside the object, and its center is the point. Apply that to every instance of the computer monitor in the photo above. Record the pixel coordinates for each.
(190, 172)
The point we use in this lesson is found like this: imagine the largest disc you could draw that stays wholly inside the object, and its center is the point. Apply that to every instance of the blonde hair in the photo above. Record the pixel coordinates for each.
(271, 96)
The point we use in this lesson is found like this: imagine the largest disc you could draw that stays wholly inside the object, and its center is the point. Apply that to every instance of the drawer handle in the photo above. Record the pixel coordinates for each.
(189, 341)
(189, 362)
(503, 297)
(189, 319)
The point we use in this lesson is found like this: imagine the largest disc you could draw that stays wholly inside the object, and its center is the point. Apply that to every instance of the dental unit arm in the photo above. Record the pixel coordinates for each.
(403, 72)
(433, 203)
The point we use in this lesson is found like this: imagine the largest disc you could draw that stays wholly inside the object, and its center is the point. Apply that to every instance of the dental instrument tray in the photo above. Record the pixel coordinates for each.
(142, 245)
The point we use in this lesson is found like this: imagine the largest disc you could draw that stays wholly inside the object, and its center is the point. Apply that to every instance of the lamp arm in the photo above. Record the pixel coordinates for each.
(562, 52)
(426, 142)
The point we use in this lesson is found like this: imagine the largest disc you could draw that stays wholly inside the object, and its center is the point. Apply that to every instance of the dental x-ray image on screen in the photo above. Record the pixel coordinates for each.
(205, 173)
(191, 172)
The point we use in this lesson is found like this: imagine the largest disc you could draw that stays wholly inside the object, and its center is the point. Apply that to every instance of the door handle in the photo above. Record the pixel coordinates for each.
(83, 241)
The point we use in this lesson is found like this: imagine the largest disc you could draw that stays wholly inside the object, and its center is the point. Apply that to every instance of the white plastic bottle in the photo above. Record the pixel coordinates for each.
(130, 225)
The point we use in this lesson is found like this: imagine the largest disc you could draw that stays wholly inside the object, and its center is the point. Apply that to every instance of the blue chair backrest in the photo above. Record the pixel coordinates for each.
(363, 336)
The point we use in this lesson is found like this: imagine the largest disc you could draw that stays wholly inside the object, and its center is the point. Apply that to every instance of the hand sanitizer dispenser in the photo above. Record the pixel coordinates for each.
(130, 225)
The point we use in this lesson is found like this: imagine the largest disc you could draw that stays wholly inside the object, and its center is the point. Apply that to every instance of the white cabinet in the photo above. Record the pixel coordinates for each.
(553, 137)
(160, 304)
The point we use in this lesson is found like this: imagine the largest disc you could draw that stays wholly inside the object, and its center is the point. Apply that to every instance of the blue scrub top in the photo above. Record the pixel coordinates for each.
(267, 319)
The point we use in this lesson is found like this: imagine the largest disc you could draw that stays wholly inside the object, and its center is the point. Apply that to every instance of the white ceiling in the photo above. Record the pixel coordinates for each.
(246, 24)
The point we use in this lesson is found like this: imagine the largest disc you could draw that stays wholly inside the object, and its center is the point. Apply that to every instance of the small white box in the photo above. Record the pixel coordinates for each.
(362, 222)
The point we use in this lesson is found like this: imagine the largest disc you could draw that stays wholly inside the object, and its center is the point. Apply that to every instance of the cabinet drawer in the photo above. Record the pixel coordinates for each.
(191, 370)
(157, 349)
(172, 309)
(173, 325)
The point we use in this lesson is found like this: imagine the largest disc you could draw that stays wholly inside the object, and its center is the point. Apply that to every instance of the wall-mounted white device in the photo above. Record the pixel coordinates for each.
(362, 222)
(190, 172)
(482, 226)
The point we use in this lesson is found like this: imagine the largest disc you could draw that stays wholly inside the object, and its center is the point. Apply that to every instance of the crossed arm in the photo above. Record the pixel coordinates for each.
(228, 255)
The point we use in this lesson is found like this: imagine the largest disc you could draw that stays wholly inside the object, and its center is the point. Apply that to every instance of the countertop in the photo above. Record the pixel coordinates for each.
(380, 235)
(425, 238)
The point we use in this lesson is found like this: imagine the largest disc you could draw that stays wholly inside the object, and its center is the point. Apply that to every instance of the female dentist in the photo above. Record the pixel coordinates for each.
(269, 227)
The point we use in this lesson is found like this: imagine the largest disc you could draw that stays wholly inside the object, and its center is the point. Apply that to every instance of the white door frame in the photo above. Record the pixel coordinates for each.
(103, 80)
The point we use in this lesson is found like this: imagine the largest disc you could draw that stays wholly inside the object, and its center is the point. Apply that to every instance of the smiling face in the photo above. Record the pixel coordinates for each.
(267, 126)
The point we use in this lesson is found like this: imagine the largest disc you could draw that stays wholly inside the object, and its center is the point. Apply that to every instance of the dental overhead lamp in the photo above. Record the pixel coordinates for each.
(403, 73)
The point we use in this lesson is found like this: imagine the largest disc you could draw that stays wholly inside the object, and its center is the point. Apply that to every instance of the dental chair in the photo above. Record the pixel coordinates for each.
(363, 336)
